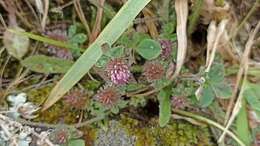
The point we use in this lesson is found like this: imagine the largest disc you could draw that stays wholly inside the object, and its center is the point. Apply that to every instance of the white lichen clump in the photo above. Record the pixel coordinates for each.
(14, 133)
(19, 107)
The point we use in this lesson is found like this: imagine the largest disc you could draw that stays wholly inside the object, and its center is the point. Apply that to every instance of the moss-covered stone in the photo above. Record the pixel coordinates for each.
(176, 133)
(131, 132)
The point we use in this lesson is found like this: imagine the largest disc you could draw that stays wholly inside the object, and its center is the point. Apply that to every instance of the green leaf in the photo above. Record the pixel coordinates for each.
(137, 38)
(77, 142)
(72, 30)
(110, 34)
(216, 73)
(115, 52)
(252, 95)
(102, 61)
(243, 131)
(207, 96)
(134, 86)
(222, 90)
(149, 49)
(78, 38)
(122, 103)
(158, 84)
(131, 40)
(169, 27)
(137, 101)
(164, 107)
(47, 65)
(115, 109)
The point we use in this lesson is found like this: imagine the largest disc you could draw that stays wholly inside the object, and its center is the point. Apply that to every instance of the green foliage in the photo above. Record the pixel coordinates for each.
(217, 73)
(252, 95)
(138, 101)
(185, 88)
(91, 85)
(149, 49)
(76, 142)
(168, 31)
(119, 105)
(98, 109)
(133, 87)
(47, 65)
(207, 96)
(214, 86)
(165, 106)
(76, 39)
(111, 53)
(242, 125)
(116, 52)
(131, 40)
(158, 84)
(102, 61)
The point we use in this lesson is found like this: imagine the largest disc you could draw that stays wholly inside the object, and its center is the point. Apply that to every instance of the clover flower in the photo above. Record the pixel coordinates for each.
(166, 46)
(76, 99)
(108, 96)
(118, 71)
(178, 102)
(153, 71)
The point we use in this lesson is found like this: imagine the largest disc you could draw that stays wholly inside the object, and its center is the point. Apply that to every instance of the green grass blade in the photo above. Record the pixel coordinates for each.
(242, 125)
(110, 34)
(43, 39)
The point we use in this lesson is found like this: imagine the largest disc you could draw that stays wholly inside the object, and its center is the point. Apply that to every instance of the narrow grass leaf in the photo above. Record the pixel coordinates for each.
(76, 142)
(164, 107)
(42, 39)
(252, 95)
(242, 127)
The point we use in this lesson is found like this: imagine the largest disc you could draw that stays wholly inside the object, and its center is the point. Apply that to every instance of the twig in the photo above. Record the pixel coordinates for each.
(251, 11)
(82, 17)
(97, 26)
(32, 10)
(77, 125)
(45, 15)
(3, 68)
